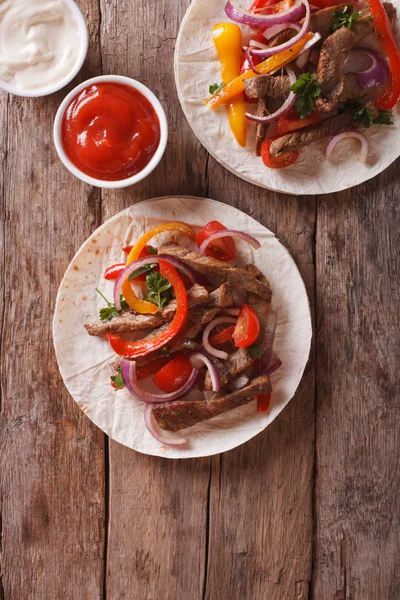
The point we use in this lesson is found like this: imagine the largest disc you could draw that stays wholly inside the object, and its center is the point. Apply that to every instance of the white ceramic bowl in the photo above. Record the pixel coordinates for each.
(50, 89)
(155, 158)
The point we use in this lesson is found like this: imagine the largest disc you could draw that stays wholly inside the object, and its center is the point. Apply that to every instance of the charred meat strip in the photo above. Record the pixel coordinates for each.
(215, 268)
(129, 321)
(222, 296)
(334, 53)
(261, 128)
(241, 359)
(304, 137)
(177, 415)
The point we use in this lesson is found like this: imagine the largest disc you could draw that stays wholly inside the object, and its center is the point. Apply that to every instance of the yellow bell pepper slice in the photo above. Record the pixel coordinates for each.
(142, 306)
(273, 63)
(228, 42)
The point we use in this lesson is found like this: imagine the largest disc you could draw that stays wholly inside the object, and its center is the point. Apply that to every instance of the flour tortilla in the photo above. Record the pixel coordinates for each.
(84, 361)
(197, 66)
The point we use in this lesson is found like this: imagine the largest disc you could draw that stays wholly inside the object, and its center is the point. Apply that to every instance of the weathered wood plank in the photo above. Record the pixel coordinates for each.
(358, 419)
(260, 512)
(52, 462)
(158, 508)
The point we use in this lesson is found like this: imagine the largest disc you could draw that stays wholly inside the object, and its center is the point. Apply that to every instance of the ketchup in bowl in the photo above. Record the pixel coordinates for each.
(110, 131)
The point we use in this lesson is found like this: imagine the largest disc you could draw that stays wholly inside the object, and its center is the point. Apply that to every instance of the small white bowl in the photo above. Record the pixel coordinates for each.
(51, 89)
(155, 158)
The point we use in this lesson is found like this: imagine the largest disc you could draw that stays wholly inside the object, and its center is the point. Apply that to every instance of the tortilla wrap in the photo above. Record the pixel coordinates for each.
(85, 361)
(197, 66)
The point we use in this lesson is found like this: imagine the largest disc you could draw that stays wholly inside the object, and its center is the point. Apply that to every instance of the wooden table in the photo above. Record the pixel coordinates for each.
(309, 509)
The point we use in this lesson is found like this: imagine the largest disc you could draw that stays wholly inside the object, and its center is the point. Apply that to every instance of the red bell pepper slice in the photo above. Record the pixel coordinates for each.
(263, 402)
(385, 35)
(146, 346)
(114, 271)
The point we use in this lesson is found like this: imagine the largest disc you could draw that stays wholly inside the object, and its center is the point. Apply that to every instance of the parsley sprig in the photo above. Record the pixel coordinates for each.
(215, 87)
(159, 289)
(254, 352)
(140, 271)
(306, 89)
(109, 312)
(118, 380)
(364, 115)
(344, 17)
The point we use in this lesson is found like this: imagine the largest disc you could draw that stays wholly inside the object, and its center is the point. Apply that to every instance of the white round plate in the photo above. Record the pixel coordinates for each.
(197, 66)
(85, 361)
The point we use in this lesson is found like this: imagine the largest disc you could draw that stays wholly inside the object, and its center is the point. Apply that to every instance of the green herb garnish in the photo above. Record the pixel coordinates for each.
(118, 380)
(159, 290)
(151, 250)
(384, 118)
(140, 271)
(215, 87)
(344, 17)
(365, 115)
(109, 312)
(254, 352)
(306, 89)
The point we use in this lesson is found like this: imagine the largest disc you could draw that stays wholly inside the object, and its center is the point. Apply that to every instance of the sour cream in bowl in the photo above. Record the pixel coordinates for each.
(43, 44)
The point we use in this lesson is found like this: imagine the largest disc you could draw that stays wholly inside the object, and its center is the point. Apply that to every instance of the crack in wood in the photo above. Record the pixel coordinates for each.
(3, 236)
(106, 511)
(207, 544)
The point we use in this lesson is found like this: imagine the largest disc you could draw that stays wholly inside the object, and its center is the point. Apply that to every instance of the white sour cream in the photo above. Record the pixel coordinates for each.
(39, 43)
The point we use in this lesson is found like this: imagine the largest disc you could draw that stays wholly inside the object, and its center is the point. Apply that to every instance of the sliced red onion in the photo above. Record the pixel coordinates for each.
(256, 44)
(302, 60)
(210, 349)
(198, 360)
(349, 134)
(275, 364)
(314, 56)
(239, 382)
(250, 62)
(271, 32)
(230, 233)
(141, 262)
(268, 343)
(245, 17)
(288, 43)
(376, 74)
(155, 431)
(128, 370)
(286, 106)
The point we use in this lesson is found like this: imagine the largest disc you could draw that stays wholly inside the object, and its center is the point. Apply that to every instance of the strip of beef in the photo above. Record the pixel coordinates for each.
(304, 137)
(212, 268)
(241, 359)
(334, 53)
(320, 22)
(222, 296)
(261, 128)
(278, 88)
(177, 415)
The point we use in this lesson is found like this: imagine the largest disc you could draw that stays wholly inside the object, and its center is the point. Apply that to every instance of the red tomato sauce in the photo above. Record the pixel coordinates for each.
(110, 131)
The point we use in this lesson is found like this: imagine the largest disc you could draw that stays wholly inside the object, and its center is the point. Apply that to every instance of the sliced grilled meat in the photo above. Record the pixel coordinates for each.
(220, 270)
(334, 53)
(222, 296)
(177, 415)
(304, 137)
(240, 360)
(261, 128)
(268, 86)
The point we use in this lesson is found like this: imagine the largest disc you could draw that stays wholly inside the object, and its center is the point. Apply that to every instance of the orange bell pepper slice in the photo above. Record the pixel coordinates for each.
(228, 42)
(142, 306)
(273, 63)
(146, 346)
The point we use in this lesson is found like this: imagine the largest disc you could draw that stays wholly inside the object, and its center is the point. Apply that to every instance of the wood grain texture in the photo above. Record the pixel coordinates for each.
(52, 462)
(357, 551)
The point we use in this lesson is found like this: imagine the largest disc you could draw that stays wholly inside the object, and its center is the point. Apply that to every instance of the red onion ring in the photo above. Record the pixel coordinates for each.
(303, 59)
(276, 363)
(250, 62)
(230, 233)
(268, 343)
(376, 74)
(289, 43)
(198, 360)
(286, 106)
(210, 349)
(235, 312)
(155, 430)
(255, 20)
(128, 370)
(149, 260)
(348, 134)
(239, 382)
(273, 31)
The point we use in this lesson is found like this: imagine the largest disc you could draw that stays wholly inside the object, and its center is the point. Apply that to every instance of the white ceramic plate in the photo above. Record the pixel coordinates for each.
(84, 361)
(197, 66)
